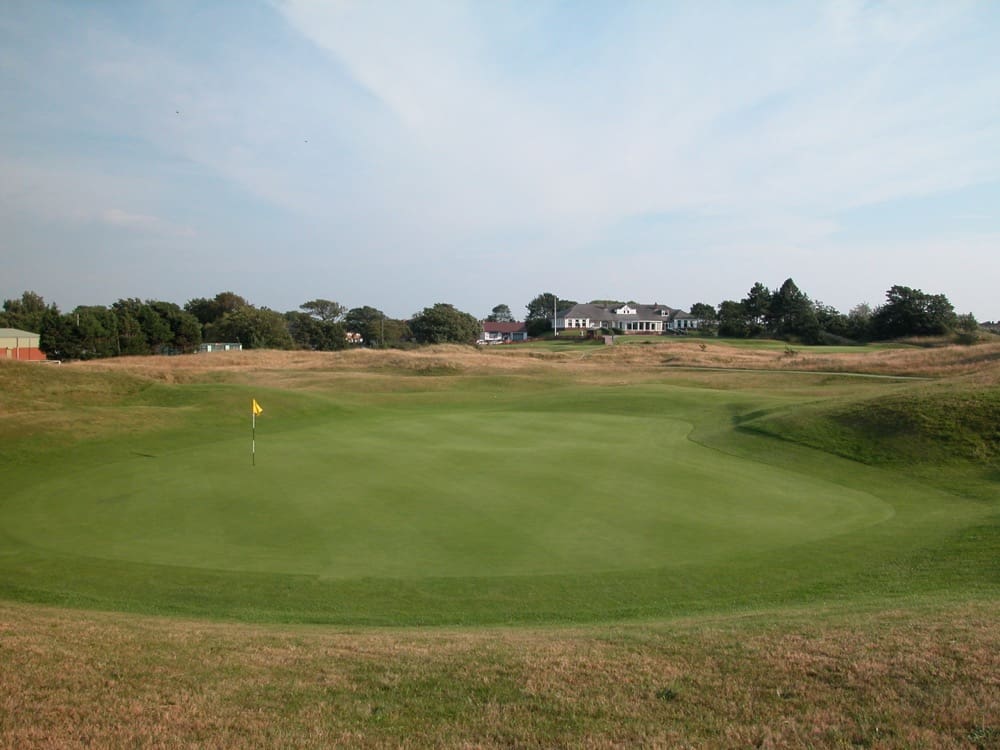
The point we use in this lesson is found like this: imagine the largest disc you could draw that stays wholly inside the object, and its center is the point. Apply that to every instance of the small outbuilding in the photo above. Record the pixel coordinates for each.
(221, 346)
(20, 345)
(503, 333)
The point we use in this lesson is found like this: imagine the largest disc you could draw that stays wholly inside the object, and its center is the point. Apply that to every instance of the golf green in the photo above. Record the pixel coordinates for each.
(469, 493)
(460, 501)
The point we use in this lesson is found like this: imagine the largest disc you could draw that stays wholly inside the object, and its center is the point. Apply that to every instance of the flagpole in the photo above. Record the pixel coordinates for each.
(254, 411)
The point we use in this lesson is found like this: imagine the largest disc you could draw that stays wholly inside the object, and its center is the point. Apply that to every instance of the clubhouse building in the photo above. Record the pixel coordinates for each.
(630, 318)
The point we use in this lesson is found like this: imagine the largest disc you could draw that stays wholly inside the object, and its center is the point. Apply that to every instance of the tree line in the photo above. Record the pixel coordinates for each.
(787, 313)
(133, 326)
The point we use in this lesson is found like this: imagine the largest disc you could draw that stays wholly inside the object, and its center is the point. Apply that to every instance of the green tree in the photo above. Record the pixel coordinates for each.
(859, 322)
(100, 332)
(709, 325)
(375, 328)
(833, 324)
(159, 337)
(442, 324)
(364, 320)
(185, 330)
(144, 327)
(394, 332)
(540, 311)
(204, 310)
(367, 322)
(210, 310)
(89, 332)
(966, 323)
(733, 319)
(132, 327)
(325, 310)
(792, 315)
(255, 328)
(756, 308)
(25, 313)
(703, 311)
(309, 332)
(500, 314)
(538, 326)
(911, 312)
(541, 307)
(56, 334)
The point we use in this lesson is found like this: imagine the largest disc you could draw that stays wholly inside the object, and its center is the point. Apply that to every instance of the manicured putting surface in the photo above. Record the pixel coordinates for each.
(438, 494)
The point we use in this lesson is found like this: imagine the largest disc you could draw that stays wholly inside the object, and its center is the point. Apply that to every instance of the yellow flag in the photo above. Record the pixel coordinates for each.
(255, 407)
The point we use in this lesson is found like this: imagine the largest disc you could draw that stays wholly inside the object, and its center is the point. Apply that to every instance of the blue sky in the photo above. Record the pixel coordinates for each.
(399, 154)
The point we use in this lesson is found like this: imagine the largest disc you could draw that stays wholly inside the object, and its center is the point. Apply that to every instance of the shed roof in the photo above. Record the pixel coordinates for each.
(16, 333)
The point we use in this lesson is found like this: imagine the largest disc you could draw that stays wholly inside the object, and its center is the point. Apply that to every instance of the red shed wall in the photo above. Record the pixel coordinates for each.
(23, 353)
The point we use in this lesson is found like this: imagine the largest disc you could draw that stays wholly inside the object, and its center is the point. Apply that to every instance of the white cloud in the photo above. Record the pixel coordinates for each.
(667, 122)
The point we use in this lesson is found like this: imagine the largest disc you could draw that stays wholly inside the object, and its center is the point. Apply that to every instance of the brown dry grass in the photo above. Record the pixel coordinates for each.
(982, 361)
(924, 676)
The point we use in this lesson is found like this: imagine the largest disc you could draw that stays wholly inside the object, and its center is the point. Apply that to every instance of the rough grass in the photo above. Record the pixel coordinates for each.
(912, 362)
(923, 675)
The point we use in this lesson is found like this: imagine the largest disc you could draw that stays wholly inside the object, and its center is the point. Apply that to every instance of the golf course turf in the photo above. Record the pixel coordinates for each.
(445, 496)
(677, 544)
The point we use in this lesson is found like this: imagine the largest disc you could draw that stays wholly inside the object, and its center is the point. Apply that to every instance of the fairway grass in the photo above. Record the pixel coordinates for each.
(465, 497)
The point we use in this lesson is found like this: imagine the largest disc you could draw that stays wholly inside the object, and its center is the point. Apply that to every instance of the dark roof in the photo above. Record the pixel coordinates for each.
(602, 312)
(586, 310)
(491, 327)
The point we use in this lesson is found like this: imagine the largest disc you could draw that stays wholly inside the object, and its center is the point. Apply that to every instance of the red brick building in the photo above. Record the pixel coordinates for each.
(20, 345)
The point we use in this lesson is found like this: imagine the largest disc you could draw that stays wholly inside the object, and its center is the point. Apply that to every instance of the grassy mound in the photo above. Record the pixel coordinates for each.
(923, 426)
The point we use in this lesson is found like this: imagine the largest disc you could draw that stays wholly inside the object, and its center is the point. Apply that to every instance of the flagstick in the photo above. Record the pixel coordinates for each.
(254, 411)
